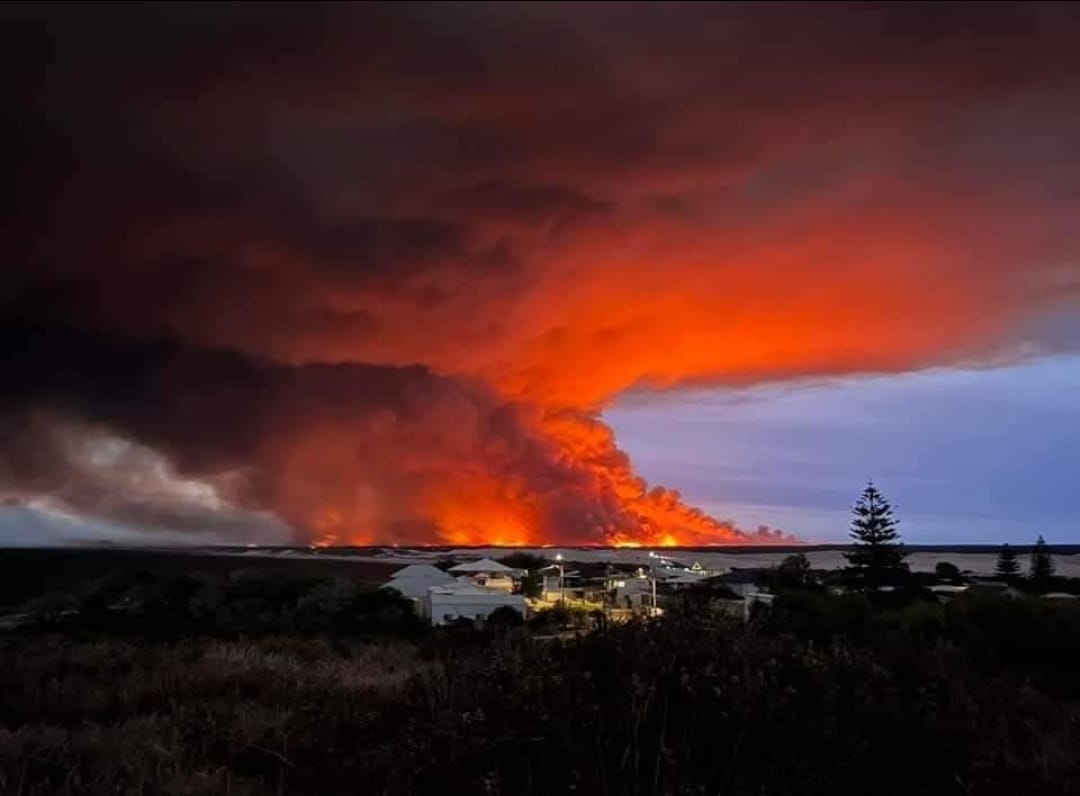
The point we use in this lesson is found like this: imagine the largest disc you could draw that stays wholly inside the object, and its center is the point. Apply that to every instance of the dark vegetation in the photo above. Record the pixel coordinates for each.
(532, 584)
(240, 603)
(877, 556)
(1007, 564)
(315, 686)
(29, 573)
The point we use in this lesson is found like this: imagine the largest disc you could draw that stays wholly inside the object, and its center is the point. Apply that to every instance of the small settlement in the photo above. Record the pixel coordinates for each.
(473, 590)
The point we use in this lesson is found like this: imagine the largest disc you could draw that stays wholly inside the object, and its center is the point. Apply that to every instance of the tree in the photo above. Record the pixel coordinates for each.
(523, 560)
(877, 555)
(1042, 564)
(1007, 565)
(946, 570)
(793, 572)
(504, 617)
(531, 585)
(532, 582)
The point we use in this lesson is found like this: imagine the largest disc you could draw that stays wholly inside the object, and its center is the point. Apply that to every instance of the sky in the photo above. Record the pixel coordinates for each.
(965, 456)
(524, 274)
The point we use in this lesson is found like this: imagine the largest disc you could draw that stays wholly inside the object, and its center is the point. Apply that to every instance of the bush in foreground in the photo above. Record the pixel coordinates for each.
(912, 701)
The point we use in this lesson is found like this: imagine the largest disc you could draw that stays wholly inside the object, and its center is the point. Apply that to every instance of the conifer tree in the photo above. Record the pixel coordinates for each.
(877, 555)
(1007, 565)
(1042, 564)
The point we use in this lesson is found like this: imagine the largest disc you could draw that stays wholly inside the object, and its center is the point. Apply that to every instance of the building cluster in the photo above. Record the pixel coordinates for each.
(474, 590)
(990, 588)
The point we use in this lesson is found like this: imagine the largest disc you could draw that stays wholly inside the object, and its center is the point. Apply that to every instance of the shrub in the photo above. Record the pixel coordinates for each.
(945, 570)
(504, 617)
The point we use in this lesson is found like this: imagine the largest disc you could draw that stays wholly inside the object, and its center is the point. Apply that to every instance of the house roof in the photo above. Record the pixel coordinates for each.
(483, 565)
(684, 578)
(741, 576)
(462, 587)
(415, 579)
(725, 594)
(420, 572)
(470, 592)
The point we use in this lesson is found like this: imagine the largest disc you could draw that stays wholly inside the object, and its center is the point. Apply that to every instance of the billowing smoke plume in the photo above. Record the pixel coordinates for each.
(375, 271)
(344, 453)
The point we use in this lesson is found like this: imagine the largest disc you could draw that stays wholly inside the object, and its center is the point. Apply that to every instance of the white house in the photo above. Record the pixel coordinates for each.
(742, 606)
(743, 582)
(488, 573)
(680, 579)
(634, 592)
(465, 600)
(414, 581)
(945, 591)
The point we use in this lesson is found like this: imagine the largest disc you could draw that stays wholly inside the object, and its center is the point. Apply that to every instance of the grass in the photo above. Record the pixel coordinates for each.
(198, 716)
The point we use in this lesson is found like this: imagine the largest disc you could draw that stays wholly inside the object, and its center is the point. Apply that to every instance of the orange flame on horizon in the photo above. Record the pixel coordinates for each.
(593, 498)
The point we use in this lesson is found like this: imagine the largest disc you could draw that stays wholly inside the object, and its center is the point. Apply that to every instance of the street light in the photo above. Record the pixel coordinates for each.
(652, 578)
(562, 595)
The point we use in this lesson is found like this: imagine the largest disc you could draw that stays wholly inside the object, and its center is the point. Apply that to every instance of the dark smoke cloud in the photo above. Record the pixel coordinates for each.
(378, 268)
(345, 452)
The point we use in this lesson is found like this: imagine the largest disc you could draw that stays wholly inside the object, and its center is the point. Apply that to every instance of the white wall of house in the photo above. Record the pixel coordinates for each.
(637, 590)
(414, 581)
(744, 589)
(444, 605)
(495, 580)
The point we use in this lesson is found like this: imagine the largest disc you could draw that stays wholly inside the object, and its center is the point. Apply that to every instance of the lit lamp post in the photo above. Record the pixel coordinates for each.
(558, 559)
(652, 579)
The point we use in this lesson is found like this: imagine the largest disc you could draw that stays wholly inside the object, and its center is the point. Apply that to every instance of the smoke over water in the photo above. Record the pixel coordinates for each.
(375, 272)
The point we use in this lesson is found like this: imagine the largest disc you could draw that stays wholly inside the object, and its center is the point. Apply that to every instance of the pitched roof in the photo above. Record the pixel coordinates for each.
(470, 592)
(483, 565)
(742, 576)
(685, 578)
(421, 572)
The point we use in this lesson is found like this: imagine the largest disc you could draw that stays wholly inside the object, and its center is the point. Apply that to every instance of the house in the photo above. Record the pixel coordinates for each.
(944, 592)
(681, 579)
(555, 586)
(634, 592)
(995, 588)
(414, 580)
(575, 587)
(758, 600)
(732, 606)
(745, 582)
(463, 599)
(718, 595)
(488, 573)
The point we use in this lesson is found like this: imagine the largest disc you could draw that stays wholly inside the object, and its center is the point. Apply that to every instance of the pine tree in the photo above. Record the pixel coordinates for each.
(1007, 565)
(877, 555)
(1042, 564)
